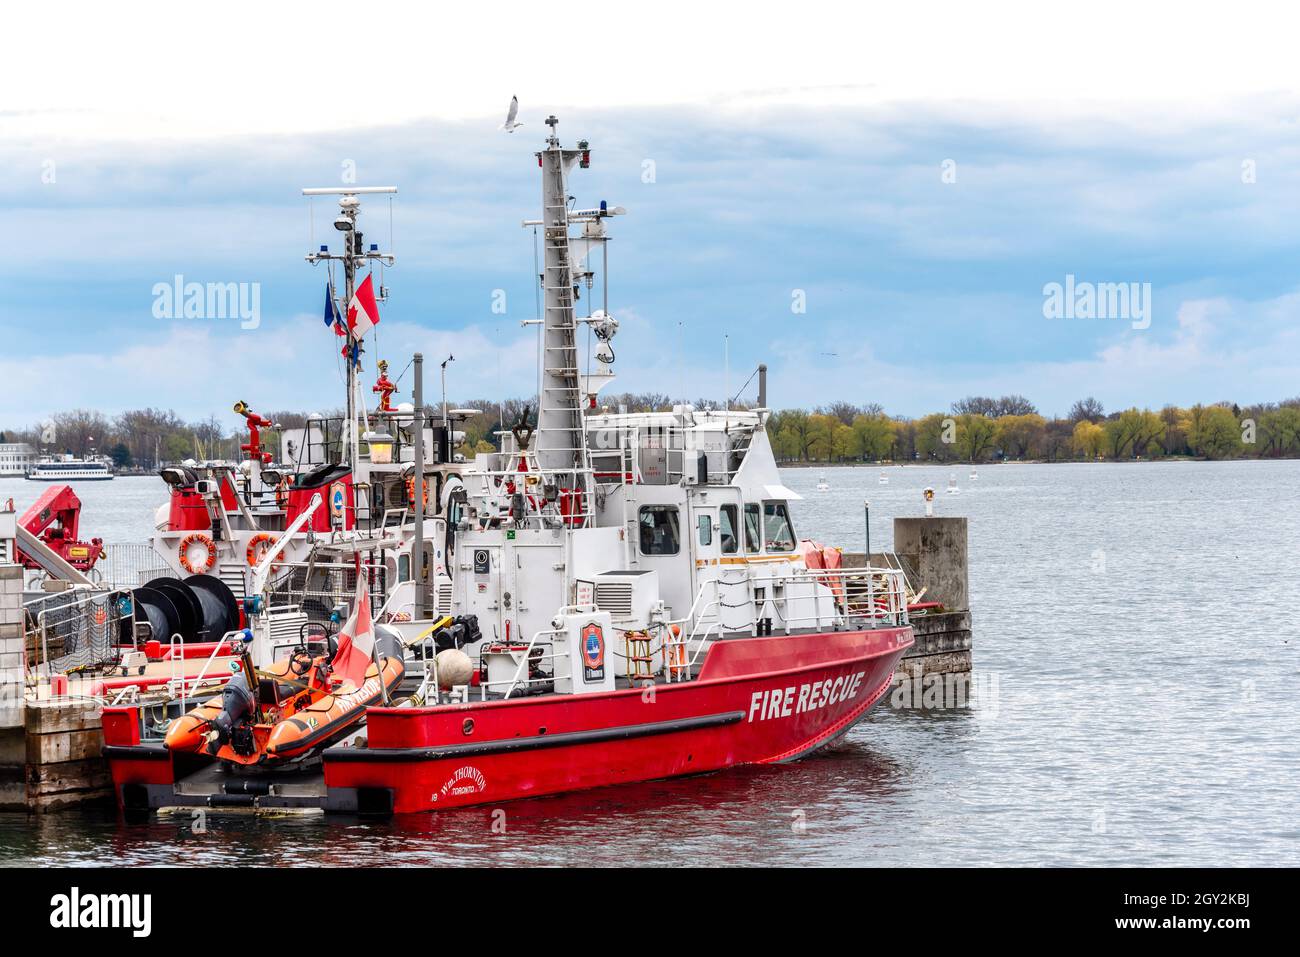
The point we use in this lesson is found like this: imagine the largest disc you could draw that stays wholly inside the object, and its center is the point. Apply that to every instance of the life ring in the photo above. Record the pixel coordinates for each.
(256, 549)
(184, 556)
(675, 654)
(410, 492)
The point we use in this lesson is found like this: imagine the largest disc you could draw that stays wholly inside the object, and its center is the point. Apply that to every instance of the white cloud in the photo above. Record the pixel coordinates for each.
(293, 364)
(1220, 350)
(170, 69)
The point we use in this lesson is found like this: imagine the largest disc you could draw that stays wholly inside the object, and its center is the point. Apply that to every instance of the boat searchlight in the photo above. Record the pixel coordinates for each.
(381, 447)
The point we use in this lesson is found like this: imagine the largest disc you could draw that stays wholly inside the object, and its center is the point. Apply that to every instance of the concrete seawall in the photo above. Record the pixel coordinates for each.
(932, 552)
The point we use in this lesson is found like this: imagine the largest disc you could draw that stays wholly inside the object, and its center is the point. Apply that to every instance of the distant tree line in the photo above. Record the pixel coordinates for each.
(977, 429)
(981, 428)
(143, 438)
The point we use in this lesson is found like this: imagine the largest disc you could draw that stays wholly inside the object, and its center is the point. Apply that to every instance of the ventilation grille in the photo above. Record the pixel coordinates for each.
(286, 626)
(615, 598)
(232, 573)
(443, 601)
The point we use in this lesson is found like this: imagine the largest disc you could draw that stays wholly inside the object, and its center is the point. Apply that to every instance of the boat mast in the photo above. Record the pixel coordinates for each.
(354, 256)
(560, 443)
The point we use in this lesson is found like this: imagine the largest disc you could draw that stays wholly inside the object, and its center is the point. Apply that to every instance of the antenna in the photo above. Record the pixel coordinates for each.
(354, 256)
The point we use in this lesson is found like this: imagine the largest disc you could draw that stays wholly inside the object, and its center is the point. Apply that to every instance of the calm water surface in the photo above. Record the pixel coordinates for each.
(1136, 660)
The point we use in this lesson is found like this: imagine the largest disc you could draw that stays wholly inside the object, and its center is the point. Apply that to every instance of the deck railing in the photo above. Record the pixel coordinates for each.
(129, 565)
(869, 597)
(74, 630)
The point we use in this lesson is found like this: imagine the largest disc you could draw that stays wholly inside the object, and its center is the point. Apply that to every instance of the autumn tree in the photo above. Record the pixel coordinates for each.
(1088, 439)
(831, 439)
(1279, 431)
(936, 437)
(1132, 431)
(1215, 432)
(976, 436)
(1018, 435)
(795, 434)
(875, 435)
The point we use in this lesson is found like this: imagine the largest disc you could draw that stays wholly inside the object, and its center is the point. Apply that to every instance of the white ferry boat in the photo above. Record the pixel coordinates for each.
(69, 469)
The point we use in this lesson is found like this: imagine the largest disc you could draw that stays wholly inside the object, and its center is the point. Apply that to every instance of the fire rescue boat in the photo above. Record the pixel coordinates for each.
(610, 598)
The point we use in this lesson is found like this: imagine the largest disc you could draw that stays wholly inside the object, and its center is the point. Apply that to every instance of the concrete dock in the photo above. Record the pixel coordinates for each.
(932, 552)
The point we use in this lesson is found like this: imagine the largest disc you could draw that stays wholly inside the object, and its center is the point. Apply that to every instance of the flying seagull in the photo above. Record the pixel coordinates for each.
(510, 125)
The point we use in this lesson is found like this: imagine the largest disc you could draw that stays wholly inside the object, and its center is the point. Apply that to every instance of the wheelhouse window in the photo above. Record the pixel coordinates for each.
(730, 543)
(660, 530)
(753, 530)
(778, 534)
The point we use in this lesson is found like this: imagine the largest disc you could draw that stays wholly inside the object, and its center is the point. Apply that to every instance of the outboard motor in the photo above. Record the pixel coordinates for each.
(239, 702)
(231, 725)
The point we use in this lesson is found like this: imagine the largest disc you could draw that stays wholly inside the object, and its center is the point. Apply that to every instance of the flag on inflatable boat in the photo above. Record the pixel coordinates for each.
(332, 317)
(363, 313)
(356, 650)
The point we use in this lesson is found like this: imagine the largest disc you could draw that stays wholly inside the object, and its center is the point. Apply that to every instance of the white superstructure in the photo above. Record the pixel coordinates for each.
(15, 458)
(66, 468)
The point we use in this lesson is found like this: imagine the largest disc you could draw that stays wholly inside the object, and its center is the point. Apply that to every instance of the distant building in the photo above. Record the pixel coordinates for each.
(15, 458)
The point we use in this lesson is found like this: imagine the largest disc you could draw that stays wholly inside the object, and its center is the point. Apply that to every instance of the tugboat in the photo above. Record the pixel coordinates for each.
(611, 598)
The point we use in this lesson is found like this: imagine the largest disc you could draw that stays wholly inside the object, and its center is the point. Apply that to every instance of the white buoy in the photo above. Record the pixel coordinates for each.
(454, 668)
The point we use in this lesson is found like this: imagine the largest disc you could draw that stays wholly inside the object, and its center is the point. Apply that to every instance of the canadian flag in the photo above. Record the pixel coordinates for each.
(356, 649)
(363, 313)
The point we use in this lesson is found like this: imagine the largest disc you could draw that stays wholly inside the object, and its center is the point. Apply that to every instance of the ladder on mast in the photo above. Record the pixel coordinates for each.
(560, 444)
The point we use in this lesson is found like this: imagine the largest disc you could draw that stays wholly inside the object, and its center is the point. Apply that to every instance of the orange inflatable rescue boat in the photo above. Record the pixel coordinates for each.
(292, 707)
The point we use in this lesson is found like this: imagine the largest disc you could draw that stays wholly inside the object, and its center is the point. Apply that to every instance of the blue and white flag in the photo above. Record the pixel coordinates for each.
(332, 317)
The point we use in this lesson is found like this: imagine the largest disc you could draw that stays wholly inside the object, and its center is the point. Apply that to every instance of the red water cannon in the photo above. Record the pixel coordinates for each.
(255, 423)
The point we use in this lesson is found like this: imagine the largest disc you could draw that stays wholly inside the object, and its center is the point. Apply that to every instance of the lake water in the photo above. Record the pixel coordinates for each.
(1136, 654)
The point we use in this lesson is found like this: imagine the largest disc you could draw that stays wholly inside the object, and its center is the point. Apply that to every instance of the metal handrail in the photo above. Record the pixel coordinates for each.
(203, 672)
(523, 662)
(894, 594)
(894, 612)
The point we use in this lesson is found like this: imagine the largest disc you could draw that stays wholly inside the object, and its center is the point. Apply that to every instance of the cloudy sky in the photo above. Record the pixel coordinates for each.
(916, 178)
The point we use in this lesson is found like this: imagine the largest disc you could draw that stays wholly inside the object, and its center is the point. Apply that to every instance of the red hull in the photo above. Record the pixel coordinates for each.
(757, 700)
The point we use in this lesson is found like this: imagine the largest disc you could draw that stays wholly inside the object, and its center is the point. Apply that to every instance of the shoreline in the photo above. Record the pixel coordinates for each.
(1169, 460)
